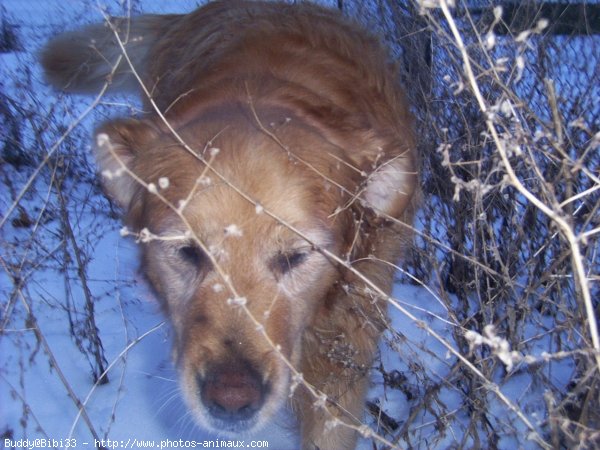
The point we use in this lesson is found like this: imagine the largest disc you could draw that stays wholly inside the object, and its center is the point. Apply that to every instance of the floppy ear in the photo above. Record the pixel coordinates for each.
(390, 187)
(118, 144)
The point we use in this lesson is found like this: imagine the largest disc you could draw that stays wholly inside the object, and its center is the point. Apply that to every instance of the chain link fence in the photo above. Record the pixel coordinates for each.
(506, 99)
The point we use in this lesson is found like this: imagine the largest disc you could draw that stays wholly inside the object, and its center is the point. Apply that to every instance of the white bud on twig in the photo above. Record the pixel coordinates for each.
(490, 41)
(237, 301)
(233, 230)
(163, 182)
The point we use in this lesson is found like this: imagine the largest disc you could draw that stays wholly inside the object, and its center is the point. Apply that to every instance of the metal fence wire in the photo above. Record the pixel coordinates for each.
(508, 145)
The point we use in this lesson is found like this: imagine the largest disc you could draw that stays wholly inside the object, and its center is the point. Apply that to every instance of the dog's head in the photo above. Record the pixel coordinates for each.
(236, 232)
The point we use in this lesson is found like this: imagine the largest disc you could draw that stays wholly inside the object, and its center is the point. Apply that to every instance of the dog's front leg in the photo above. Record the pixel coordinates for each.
(335, 362)
(324, 424)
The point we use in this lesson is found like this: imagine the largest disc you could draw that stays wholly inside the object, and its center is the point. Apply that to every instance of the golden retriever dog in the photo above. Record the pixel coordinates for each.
(269, 182)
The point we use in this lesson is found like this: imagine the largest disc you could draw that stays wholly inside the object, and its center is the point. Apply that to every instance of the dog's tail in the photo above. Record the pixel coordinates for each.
(85, 60)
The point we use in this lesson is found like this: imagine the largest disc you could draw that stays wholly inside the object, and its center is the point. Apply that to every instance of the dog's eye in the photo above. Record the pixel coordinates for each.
(284, 262)
(192, 255)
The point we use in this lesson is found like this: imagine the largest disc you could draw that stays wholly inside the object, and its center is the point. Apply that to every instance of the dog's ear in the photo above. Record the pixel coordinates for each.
(118, 144)
(390, 186)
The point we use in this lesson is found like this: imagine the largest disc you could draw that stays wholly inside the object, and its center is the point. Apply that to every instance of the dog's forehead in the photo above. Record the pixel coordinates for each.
(224, 212)
(241, 184)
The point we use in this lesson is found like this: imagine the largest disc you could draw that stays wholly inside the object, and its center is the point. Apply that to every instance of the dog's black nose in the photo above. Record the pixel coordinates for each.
(232, 392)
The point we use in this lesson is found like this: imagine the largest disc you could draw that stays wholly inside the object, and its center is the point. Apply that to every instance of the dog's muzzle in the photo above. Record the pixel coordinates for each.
(232, 394)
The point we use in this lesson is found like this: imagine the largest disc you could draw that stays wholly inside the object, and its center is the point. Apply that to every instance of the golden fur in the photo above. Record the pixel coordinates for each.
(298, 146)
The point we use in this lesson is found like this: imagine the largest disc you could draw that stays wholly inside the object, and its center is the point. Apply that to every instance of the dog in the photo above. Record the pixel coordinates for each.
(271, 183)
